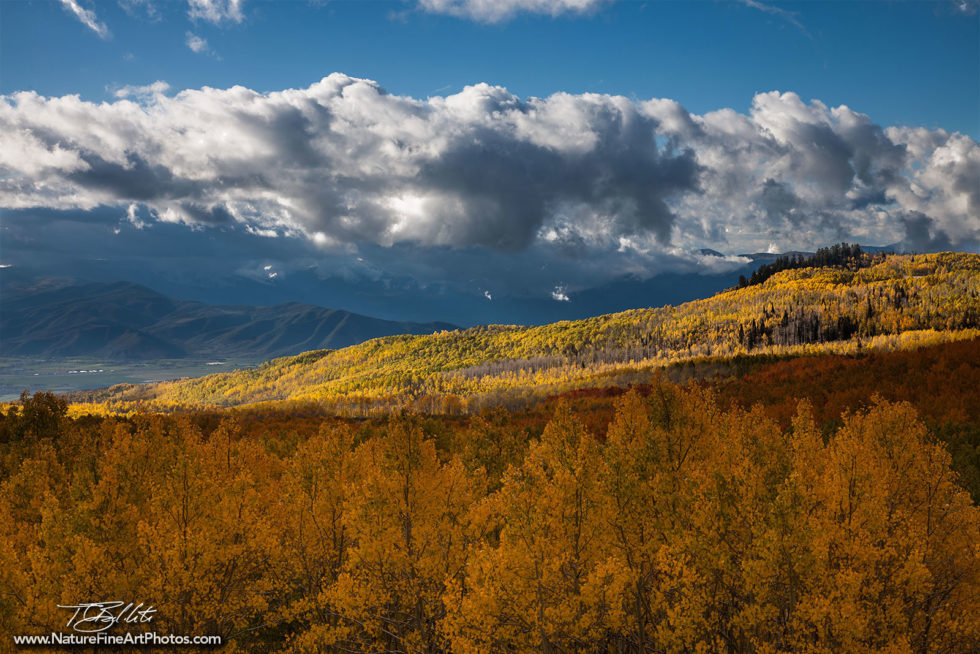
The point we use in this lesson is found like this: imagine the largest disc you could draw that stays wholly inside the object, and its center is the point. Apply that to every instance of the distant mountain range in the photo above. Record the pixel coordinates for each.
(867, 303)
(129, 322)
(50, 316)
(389, 298)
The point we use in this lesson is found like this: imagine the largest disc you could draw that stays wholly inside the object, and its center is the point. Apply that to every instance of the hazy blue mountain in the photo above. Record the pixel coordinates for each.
(125, 321)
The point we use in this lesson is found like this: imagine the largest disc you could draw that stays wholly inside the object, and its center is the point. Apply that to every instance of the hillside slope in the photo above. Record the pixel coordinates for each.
(900, 301)
(127, 322)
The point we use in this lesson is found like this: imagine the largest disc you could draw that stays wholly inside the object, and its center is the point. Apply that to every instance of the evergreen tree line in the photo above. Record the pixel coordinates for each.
(842, 254)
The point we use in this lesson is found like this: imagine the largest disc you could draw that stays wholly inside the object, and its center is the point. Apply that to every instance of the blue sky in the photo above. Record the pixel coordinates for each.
(477, 160)
(910, 63)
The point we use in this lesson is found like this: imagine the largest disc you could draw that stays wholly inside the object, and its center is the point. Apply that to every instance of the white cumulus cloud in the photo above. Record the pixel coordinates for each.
(599, 184)
(142, 92)
(559, 294)
(132, 216)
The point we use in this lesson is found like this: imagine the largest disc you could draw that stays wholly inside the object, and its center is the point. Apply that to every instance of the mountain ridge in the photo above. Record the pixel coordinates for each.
(125, 321)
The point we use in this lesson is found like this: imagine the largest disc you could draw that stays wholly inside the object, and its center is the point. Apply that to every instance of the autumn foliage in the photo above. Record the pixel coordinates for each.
(811, 488)
(685, 524)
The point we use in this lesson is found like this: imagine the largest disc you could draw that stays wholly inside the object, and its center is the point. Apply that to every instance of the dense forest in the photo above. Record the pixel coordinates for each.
(680, 524)
(896, 303)
(566, 488)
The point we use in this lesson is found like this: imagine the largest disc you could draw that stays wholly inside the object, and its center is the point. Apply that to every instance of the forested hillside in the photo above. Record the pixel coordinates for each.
(939, 381)
(882, 302)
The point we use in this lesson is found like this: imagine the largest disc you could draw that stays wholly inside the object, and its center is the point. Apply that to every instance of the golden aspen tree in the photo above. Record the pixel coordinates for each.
(210, 555)
(13, 584)
(640, 483)
(32, 525)
(314, 540)
(896, 555)
(492, 443)
(406, 518)
(744, 534)
(112, 479)
(705, 495)
(541, 589)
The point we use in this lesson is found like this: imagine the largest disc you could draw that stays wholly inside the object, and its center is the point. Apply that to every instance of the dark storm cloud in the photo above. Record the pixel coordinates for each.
(778, 200)
(134, 180)
(922, 235)
(511, 188)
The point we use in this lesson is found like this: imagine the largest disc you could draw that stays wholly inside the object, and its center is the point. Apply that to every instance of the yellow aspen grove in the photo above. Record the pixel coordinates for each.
(895, 560)
(707, 530)
(688, 527)
(207, 537)
(541, 588)
(406, 517)
(313, 495)
(843, 303)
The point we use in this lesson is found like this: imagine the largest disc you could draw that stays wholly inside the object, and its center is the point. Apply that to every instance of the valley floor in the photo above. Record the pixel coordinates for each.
(78, 374)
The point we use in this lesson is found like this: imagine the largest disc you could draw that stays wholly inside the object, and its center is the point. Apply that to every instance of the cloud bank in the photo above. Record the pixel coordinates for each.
(622, 184)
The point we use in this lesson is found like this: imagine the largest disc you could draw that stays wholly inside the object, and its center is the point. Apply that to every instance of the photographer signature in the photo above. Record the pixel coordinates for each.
(93, 617)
